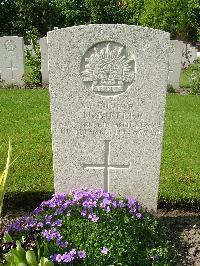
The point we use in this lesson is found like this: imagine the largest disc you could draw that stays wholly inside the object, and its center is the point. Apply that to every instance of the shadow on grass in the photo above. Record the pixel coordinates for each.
(184, 205)
(26, 201)
(29, 200)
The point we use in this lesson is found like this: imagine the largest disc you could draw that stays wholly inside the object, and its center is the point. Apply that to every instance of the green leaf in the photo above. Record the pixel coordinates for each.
(7, 238)
(31, 258)
(45, 262)
(19, 254)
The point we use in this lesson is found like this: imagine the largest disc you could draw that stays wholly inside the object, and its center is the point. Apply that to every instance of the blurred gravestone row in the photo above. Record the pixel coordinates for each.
(12, 60)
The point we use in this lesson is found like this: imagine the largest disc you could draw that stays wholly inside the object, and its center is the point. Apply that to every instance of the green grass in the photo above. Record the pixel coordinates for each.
(25, 118)
(186, 76)
(180, 170)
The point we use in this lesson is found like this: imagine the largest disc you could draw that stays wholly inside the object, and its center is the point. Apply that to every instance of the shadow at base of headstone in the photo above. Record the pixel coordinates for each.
(26, 201)
(184, 205)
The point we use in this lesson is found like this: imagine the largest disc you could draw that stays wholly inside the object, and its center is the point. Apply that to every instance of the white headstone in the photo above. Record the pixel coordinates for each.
(175, 59)
(44, 60)
(12, 60)
(107, 88)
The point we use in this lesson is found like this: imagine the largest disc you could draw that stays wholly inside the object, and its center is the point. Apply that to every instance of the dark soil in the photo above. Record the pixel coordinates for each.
(183, 230)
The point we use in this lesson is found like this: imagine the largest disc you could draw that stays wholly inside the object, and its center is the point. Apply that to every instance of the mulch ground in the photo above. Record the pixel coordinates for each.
(183, 230)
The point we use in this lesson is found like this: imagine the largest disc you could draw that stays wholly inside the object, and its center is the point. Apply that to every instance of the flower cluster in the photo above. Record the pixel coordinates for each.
(47, 220)
(87, 201)
(69, 256)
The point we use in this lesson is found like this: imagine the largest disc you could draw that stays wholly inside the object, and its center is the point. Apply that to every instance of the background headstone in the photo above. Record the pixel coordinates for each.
(12, 60)
(194, 54)
(107, 88)
(175, 58)
(186, 55)
(44, 60)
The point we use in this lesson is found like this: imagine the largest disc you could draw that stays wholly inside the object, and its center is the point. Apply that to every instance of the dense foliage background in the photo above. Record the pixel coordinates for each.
(180, 17)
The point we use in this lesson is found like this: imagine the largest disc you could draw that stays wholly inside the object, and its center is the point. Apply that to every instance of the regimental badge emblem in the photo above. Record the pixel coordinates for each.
(10, 45)
(108, 69)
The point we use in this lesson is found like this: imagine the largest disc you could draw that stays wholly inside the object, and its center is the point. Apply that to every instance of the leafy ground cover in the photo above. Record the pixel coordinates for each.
(25, 118)
(87, 228)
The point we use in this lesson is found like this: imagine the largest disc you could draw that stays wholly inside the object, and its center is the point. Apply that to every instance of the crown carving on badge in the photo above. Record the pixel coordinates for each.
(10, 45)
(109, 70)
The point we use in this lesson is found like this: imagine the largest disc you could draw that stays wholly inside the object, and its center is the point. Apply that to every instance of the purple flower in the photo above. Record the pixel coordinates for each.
(60, 196)
(83, 213)
(121, 204)
(138, 215)
(133, 211)
(82, 254)
(106, 201)
(37, 210)
(67, 257)
(131, 201)
(104, 251)
(73, 252)
(107, 209)
(114, 204)
(95, 218)
(58, 211)
(51, 234)
(62, 244)
(66, 204)
(40, 224)
(48, 219)
(53, 257)
(45, 203)
(57, 223)
(58, 258)
(31, 223)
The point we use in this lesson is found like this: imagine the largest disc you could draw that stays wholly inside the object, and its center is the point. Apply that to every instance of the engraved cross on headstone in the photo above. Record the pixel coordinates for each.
(12, 69)
(170, 71)
(106, 165)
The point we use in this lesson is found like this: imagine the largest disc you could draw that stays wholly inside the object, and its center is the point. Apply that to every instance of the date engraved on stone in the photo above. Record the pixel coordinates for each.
(10, 45)
(108, 69)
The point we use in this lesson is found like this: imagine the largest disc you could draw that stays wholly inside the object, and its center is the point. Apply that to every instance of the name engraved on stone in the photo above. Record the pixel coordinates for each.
(106, 165)
(108, 69)
(10, 45)
(11, 68)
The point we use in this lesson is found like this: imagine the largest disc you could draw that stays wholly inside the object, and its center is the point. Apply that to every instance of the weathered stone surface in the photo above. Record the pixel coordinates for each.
(194, 54)
(107, 88)
(186, 55)
(44, 60)
(175, 59)
(189, 55)
(12, 60)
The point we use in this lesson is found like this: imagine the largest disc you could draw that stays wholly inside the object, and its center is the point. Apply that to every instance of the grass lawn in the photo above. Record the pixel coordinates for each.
(180, 169)
(25, 118)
